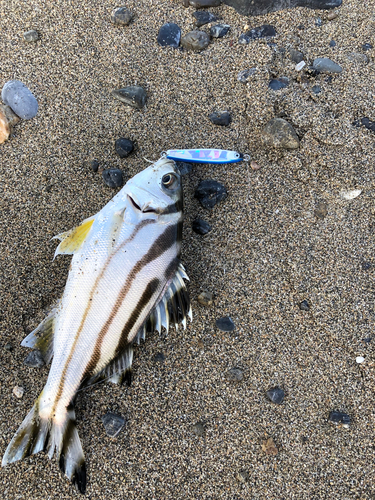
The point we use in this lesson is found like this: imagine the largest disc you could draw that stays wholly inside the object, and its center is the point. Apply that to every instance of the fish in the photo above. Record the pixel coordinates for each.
(125, 279)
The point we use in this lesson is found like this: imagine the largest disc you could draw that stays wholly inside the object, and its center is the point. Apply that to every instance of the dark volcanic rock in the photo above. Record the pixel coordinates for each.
(210, 192)
(325, 65)
(261, 7)
(278, 83)
(31, 36)
(365, 122)
(304, 306)
(225, 324)
(200, 226)
(219, 30)
(113, 177)
(124, 147)
(195, 40)
(276, 395)
(222, 118)
(203, 17)
(235, 374)
(184, 167)
(121, 16)
(337, 417)
(113, 423)
(34, 359)
(295, 55)
(169, 35)
(132, 96)
(261, 32)
(94, 165)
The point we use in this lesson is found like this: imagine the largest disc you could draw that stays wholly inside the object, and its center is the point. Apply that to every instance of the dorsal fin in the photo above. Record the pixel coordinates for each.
(42, 337)
(72, 240)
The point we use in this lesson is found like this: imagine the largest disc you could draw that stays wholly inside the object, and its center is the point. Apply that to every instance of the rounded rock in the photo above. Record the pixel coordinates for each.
(278, 83)
(18, 391)
(225, 324)
(296, 56)
(222, 118)
(133, 96)
(20, 99)
(121, 16)
(124, 147)
(31, 36)
(198, 429)
(359, 359)
(113, 177)
(235, 374)
(276, 395)
(325, 65)
(94, 165)
(280, 134)
(201, 227)
(169, 35)
(195, 41)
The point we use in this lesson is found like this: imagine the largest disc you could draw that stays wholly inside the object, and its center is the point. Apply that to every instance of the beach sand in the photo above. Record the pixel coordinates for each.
(267, 252)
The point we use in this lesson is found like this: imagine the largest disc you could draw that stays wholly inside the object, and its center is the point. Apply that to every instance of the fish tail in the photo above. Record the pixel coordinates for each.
(40, 434)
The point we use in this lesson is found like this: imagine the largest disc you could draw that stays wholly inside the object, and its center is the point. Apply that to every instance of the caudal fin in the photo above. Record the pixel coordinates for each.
(36, 434)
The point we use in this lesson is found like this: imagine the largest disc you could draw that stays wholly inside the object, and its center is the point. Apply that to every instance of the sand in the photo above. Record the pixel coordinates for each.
(268, 251)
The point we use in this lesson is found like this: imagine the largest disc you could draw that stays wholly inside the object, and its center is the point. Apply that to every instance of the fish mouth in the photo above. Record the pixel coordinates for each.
(145, 210)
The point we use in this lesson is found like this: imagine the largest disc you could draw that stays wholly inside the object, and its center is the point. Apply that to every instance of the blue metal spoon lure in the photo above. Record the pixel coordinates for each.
(215, 156)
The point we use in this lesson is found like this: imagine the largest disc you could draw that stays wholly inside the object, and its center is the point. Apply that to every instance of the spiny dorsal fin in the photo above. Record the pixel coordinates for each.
(72, 240)
(42, 337)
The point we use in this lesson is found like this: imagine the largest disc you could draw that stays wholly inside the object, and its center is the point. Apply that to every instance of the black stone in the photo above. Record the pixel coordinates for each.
(235, 374)
(219, 30)
(261, 7)
(316, 89)
(365, 122)
(245, 74)
(8, 347)
(200, 226)
(131, 96)
(225, 324)
(203, 17)
(367, 46)
(318, 22)
(184, 167)
(34, 359)
(123, 147)
(366, 266)
(261, 32)
(94, 165)
(276, 395)
(210, 192)
(113, 177)
(121, 16)
(243, 39)
(337, 417)
(169, 35)
(159, 357)
(296, 56)
(113, 423)
(222, 118)
(198, 429)
(304, 306)
(332, 43)
(278, 83)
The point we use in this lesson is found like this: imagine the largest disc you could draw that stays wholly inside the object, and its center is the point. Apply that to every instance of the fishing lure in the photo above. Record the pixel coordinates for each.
(216, 156)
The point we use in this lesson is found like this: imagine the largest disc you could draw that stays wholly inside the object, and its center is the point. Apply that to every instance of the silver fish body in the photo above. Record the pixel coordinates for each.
(125, 278)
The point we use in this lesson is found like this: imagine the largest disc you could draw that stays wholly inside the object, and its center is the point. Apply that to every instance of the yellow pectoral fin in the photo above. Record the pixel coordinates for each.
(71, 241)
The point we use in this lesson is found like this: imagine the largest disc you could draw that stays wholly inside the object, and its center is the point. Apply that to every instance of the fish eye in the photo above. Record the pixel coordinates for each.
(169, 181)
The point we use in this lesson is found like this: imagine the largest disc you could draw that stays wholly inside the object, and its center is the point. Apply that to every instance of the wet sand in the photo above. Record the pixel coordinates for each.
(267, 252)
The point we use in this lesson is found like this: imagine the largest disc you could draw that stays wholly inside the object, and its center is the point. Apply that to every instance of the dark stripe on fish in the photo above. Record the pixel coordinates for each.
(161, 245)
(173, 208)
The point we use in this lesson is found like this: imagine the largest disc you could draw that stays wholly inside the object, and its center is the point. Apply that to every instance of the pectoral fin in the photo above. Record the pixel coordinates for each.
(71, 241)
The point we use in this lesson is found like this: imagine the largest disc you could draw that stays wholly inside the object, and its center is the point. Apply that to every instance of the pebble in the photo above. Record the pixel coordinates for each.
(34, 359)
(370, 125)
(195, 40)
(280, 134)
(304, 306)
(4, 127)
(159, 357)
(325, 65)
(366, 266)
(206, 299)
(269, 447)
(121, 16)
(18, 391)
(254, 165)
(113, 424)
(184, 167)
(169, 35)
(20, 99)
(243, 476)
(357, 57)
(133, 96)
(296, 56)
(262, 7)
(203, 17)
(266, 30)
(278, 83)
(202, 4)
(198, 429)
(222, 118)
(219, 30)
(225, 324)
(318, 22)
(350, 195)
(94, 165)
(321, 210)
(113, 177)
(332, 15)
(124, 147)
(359, 359)
(276, 395)
(332, 43)
(243, 39)
(31, 36)
(300, 66)
(337, 417)
(235, 374)
(210, 192)
(200, 226)
(245, 74)
(8, 347)
(316, 89)
(367, 46)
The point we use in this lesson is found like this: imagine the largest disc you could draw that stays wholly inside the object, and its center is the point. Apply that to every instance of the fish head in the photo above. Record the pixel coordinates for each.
(156, 190)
